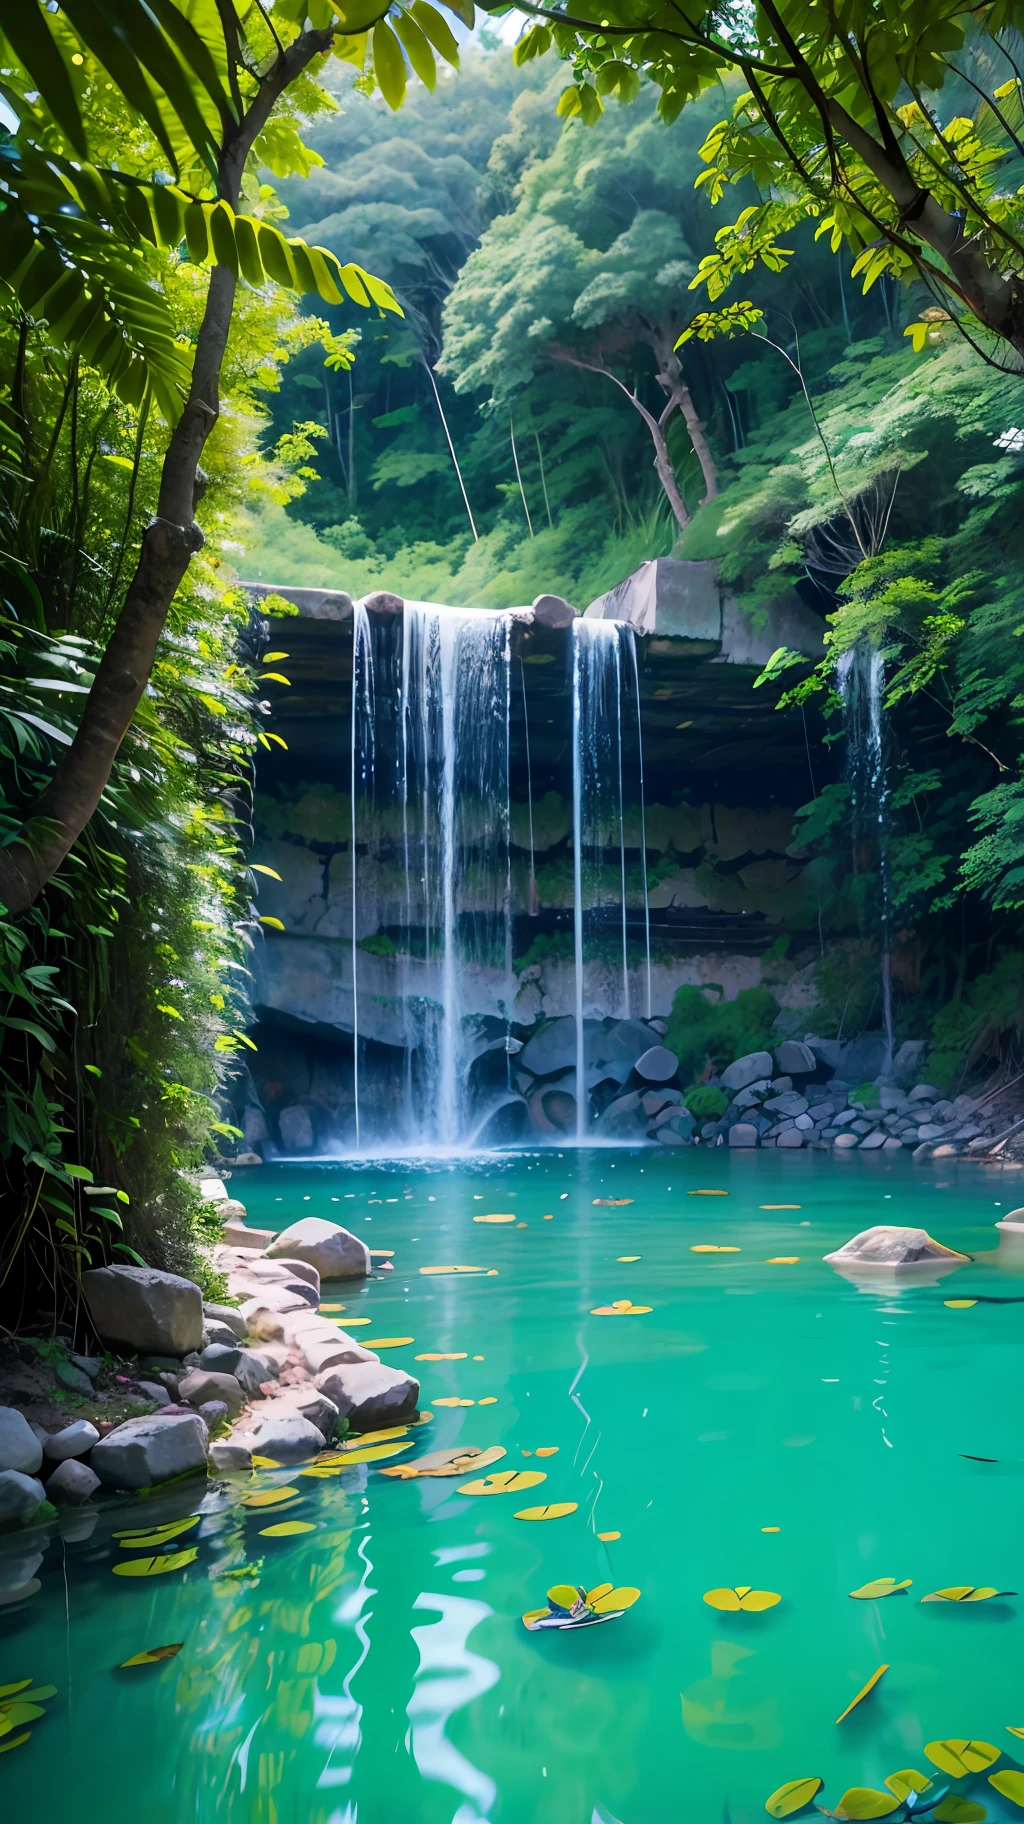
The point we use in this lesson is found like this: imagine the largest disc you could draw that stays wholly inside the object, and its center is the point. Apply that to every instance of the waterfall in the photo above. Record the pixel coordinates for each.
(861, 679)
(363, 740)
(598, 824)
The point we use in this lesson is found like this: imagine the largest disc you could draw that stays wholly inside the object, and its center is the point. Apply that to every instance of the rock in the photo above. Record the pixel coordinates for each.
(552, 1048)
(804, 1123)
(670, 1136)
(747, 1070)
(743, 1133)
(74, 1441)
(154, 1391)
(873, 1141)
(930, 1130)
(254, 1126)
(846, 1140)
(788, 1104)
(20, 1449)
(288, 1439)
(202, 1385)
(553, 611)
(72, 1483)
(946, 1151)
(225, 1314)
(213, 1413)
(907, 1061)
(381, 601)
(286, 1272)
(213, 1190)
(296, 1129)
(888, 1245)
(146, 1451)
(369, 1394)
(791, 1136)
(247, 1159)
(794, 1059)
(846, 1117)
(89, 1364)
(17, 1569)
(924, 1092)
(228, 1454)
(20, 1495)
(230, 1210)
(249, 1370)
(214, 1333)
(623, 1119)
(332, 1250)
(143, 1309)
(892, 1145)
(657, 1065)
(309, 1403)
(820, 1111)
(320, 1352)
(221, 1358)
(71, 1377)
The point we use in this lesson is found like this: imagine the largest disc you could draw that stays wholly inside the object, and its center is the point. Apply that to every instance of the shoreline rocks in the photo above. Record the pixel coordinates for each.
(888, 1246)
(327, 1246)
(144, 1310)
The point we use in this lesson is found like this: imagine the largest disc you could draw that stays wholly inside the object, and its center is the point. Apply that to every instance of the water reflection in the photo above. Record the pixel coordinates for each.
(448, 1678)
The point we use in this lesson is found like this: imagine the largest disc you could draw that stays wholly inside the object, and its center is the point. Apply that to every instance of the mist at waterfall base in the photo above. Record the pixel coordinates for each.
(435, 692)
(375, 1670)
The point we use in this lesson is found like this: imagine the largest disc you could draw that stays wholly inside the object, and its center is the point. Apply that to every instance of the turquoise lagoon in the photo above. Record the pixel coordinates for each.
(376, 1670)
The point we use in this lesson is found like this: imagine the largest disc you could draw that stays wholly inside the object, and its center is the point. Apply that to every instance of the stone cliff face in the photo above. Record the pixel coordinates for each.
(723, 773)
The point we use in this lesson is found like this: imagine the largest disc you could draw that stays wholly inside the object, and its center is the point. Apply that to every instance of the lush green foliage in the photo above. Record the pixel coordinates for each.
(702, 1031)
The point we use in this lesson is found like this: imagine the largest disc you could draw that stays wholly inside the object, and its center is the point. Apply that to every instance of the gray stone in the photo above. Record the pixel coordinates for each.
(887, 1245)
(221, 1357)
(623, 1119)
(72, 1482)
(155, 1391)
(202, 1385)
(668, 1135)
(146, 1451)
(553, 1047)
(213, 1413)
(243, 1235)
(368, 1393)
(227, 1454)
(846, 1116)
(845, 1141)
(383, 601)
(753, 1094)
(924, 1092)
(792, 1136)
(656, 1100)
(74, 1441)
(141, 1308)
(804, 1123)
(861, 1126)
(657, 1065)
(908, 1060)
(790, 1103)
(892, 1145)
(296, 1129)
(214, 1333)
(254, 1126)
(309, 1403)
(288, 1439)
(781, 1084)
(247, 1159)
(20, 1449)
(321, 1351)
(931, 1130)
(743, 1133)
(20, 1495)
(71, 1377)
(747, 1070)
(553, 611)
(18, 1568)
(89, 1364)
(794, 1059)
(871, 1142)
(331, 1249)
(249, 1370)
(312, 604)
(229, 1209)
(225, 1314)
(286, 1272)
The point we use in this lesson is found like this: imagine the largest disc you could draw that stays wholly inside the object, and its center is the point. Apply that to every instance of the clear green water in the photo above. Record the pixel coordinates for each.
(378, 1672)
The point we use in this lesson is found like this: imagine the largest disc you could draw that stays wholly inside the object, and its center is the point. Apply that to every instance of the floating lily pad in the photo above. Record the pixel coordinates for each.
(285, 1529)
(861, 1695)
(386, 1435)
(629, 1257)
(269, 1497)
(547, 1450)
(456, 1269)
(153, 1655)
(959, 1757)
(20, 1684)
(388, 1342)
(955, 1810)
(19, 1711)
(490, 1400)
(783, 1260)
(498, 1218)
(712, 1247)
(156, 1567)
(169, 1530)
(376, 1453)
(504, 1482)
(707, 1193)
(556, 1510)
(606, 1538)
(322, 1472)
(864, 1802)
(571, 1607)
(443, 1463)
(959, 1304)
(908, 1781)
(881, 1586)
(612, 1203)
(780, 1206)
(623, 1307)
(435, 1356)
(1013, 1729)
(967, 1592)
(1010, 1782)
(741, 1598)
(15, 1742)
(793, 1797)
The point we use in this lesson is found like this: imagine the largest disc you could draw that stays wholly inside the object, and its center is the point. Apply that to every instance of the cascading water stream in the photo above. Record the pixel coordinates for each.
(362, 771)
(861, 679)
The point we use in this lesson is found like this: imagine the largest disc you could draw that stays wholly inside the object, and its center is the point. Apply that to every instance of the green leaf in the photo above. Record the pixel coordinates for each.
(27, 29)
(417, 49)
(388, 65)
(793, 1797)
(437, 29)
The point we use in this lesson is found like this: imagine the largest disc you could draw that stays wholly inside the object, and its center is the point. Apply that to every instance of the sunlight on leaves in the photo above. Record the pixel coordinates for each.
(861, 1695)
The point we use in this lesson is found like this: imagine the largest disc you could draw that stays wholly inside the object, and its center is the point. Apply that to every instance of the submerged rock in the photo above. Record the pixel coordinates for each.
(145, 1310)
(150, 1450)
(19, 1495)
(20, 1449)
(331, 1249)
(890, 1246)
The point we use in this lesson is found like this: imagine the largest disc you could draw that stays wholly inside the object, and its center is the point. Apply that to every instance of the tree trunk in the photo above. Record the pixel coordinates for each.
(170, 541)
(678, 395)
(662, 459)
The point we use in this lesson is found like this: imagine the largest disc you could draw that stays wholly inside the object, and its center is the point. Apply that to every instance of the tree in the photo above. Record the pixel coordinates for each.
(545, 286)
(221, 98)
(896, 130)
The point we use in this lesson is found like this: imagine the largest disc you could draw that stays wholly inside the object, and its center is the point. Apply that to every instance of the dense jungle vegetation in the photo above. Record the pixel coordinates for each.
(845, 413)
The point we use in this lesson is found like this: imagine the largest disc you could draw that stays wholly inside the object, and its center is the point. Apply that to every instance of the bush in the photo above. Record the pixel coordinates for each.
(698, 1029)
(867, 1096)
(983, 1026)
(705, 1102)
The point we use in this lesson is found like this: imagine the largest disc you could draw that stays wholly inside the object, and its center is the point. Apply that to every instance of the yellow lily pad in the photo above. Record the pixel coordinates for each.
(955, 1810)
(629, 1256)
(958, 1757)
(711, 1247)
(967, 1592)
(16, 1742)
(623, 1307)
(612, 1600)
(780, 1206)
(155, 1567)
(387, 1342)
(321, 1472)
(783, 1260)
(13, 1714)
(606, 1538)
(563, 1595)
(20, 1684)
(1010, 1782)
(864, 1802)
(880, 1586)
(285, 1529)
(153, 1655)
(504, 1482)
(862, 1694)
(169, 1530)
(39, 1694)
(269, 1497)
(377, 1453)
(491, 1399)
(555, 1510)
(959, 1304)
(259, 1462)
(546, 1450)
(1013, 1729)
(908, 1780)
(455, 1269)
(435, 1356)
(611, 1203)
(494, 1219)
(792, 1797)
(707, 1193)
(741, 1598)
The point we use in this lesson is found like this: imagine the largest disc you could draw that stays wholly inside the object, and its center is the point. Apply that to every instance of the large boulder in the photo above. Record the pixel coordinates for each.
(554, 1046)
(287, 1438)
(657, 1064)
(203, 1385)
(742, 1133)
(369, 1394)
(72, 1483)
(623, 1119)
(321, 1351)
(73, 1441)
(553, 611)
(309, 1403)
(794, 1059)
(747, 1070)
(230, 1454)
(142, 1309)
(20, 1495)
(249, 1370)
(332, 1250)
(888, 1246)
(908, 1061)
(20, 1449)
(296, 1129)
(146, 1451)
